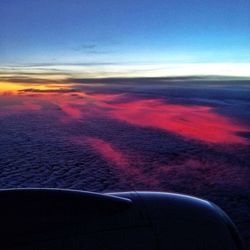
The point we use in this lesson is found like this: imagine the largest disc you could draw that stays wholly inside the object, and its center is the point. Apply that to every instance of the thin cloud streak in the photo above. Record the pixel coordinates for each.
(115, 70)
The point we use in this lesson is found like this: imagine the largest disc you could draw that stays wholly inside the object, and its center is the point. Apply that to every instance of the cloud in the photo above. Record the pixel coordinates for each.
(25, 107)
(31, 90)
(68, 78)
(152, 80)
(116, 158)
(190, 121)
(194, 122)
(85, 47)
(47, 65)
(32, 80)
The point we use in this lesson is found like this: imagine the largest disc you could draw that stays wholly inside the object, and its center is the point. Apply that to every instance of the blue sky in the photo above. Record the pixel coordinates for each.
(102, 34)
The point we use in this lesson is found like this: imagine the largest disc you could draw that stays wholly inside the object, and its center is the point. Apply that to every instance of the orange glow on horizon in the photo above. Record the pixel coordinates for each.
(16, 88)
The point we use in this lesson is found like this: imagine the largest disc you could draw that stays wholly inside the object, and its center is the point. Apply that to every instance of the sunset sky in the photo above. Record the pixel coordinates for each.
(61, 38)
(118, 95)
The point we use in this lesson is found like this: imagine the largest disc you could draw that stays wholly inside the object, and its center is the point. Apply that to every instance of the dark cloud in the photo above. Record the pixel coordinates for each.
(33, 80)
(33, 77)
(31, 90)
(150, 80)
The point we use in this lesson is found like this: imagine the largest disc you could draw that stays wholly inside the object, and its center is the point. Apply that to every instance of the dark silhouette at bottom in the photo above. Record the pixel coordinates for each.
(68, 219)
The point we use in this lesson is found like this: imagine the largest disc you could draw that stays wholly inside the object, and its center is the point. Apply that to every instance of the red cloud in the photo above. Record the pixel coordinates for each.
(20, 108)
(193, 122)
(189, 121)
(116, 158)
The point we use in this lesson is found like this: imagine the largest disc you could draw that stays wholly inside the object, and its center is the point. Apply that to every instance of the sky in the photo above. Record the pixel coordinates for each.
(96, 38)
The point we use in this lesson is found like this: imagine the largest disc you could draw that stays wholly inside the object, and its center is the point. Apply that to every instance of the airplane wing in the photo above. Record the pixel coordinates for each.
(68, 219)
